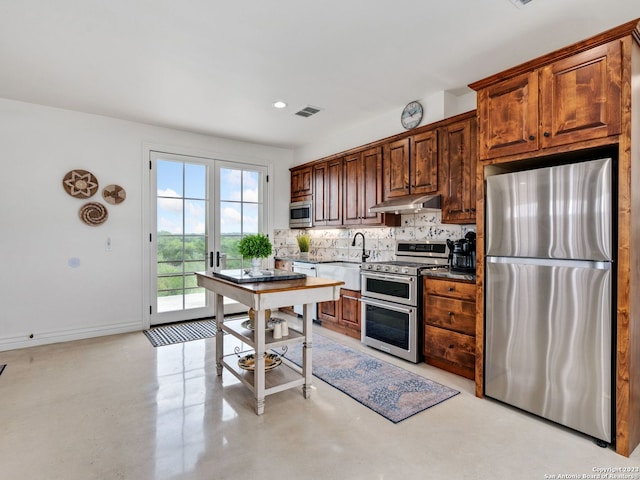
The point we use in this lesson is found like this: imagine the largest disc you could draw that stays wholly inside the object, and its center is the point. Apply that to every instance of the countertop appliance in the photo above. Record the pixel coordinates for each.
(462, 254)
(391, 297)
(548, 296)
(301, 214)
(310, 270)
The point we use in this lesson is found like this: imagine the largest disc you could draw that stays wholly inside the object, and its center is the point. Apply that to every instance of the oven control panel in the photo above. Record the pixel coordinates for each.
(386, 268)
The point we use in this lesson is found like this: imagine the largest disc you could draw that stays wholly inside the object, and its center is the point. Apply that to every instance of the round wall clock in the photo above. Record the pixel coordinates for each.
(411, 115)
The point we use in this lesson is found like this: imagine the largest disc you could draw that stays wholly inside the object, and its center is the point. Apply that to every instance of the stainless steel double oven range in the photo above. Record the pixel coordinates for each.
(392, 297)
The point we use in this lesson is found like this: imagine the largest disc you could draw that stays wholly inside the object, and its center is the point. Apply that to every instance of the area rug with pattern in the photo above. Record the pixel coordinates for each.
(391, 391)
(180, 332)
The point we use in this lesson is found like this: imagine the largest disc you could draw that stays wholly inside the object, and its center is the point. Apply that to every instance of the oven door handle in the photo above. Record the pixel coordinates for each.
(397, 307)
(401, 278)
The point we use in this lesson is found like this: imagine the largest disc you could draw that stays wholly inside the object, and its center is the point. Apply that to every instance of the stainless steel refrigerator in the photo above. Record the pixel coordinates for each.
(548, 293)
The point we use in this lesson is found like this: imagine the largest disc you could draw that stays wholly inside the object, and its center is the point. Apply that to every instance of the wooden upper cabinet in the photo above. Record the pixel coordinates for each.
(508, 113)
(571, 100)
(459, 154)
(327, 197)
(411, 165)
(352, 183)
(580, 96)
(396, 168)
(362, 187)
(423, 162)
(301, 183)
(371, 185)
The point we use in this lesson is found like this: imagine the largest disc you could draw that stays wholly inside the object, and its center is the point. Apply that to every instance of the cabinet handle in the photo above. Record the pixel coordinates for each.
(452, 289)
(532, 137)
(546, 134)
(473, 210)
(451, 314)
(466, 210)
(451, 345)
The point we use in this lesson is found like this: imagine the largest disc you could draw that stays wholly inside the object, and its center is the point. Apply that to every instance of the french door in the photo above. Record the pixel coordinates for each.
(200, 210)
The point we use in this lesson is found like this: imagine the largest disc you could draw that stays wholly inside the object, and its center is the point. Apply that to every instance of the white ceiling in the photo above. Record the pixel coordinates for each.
(215, 67)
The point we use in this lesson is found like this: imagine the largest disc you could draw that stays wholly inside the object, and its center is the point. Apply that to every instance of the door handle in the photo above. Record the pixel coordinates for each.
(217, 259)
(210, 259)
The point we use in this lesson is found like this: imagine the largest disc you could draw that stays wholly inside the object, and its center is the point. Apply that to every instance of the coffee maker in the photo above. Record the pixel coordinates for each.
(462, 254)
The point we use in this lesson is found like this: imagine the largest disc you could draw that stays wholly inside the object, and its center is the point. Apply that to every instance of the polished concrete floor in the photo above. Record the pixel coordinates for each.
(117, 408)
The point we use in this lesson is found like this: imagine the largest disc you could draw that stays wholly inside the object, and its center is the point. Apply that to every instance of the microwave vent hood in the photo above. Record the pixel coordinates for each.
(408, 204)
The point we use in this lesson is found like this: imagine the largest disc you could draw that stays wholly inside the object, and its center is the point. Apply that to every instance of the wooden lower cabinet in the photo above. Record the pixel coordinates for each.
(288, 266)
(449, 325)
(343, 315)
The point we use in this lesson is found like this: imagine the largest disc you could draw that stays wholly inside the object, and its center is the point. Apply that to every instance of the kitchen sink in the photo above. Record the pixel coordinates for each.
(348, 272)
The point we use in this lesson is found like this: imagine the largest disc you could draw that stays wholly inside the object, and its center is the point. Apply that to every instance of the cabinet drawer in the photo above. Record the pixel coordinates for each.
(451, 313)
(447, 288)
(450, 351)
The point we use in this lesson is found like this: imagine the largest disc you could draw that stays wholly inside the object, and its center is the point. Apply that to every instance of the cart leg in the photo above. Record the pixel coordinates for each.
(219, 299)
(259, 371)
(307, 370)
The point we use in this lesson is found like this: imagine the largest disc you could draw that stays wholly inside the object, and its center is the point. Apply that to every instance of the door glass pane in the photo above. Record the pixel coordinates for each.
(181, 236)
(169, 178)
(194, 186)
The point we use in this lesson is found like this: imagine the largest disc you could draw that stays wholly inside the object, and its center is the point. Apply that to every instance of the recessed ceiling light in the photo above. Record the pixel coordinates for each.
(279, 104)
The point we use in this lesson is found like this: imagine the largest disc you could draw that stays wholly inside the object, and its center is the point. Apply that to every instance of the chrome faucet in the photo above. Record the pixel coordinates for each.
(353, 244)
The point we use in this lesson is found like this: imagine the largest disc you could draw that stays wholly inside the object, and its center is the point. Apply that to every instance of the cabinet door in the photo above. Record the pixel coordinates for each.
(352, 184)
(396, 168)
(423, 172)
(301, 183)
(580, 96)
(350, 309)
(371, 190)
(508, 113)
(459, 159)
(320, 182)
(327, 198)
(329, 311)
(333, 192)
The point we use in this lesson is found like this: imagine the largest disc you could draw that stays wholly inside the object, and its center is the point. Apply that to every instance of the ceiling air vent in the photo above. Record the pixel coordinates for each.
(520, 3)
(308, 111)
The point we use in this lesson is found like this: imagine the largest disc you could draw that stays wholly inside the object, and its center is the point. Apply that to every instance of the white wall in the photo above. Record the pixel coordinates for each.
(40, 293)
(436, 107)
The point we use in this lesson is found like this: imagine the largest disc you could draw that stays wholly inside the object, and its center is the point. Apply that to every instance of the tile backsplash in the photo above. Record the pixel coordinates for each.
(335, 243)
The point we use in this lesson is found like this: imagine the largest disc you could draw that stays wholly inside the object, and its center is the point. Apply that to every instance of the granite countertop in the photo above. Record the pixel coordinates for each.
(471, 277)
(311, 259)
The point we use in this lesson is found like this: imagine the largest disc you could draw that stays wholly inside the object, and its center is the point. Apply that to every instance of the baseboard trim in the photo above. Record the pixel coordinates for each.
(59, 336)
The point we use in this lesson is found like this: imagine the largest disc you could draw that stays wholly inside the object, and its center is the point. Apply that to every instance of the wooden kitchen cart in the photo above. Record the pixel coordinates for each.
(262, 296)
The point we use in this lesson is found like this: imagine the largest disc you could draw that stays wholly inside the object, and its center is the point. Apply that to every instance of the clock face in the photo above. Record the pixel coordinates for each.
(411, 115)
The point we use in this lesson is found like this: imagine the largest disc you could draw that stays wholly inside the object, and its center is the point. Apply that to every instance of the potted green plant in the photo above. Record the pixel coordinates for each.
(255, 246)
(304, 241)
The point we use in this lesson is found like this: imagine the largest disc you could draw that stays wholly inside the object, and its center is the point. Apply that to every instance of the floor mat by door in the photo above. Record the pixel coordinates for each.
(180, 332)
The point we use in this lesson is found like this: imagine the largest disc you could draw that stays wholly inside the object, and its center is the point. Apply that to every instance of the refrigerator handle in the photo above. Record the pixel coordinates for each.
(550, 262)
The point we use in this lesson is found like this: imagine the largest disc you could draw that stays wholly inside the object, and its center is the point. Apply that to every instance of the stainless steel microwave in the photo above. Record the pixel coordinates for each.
(300, 214)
